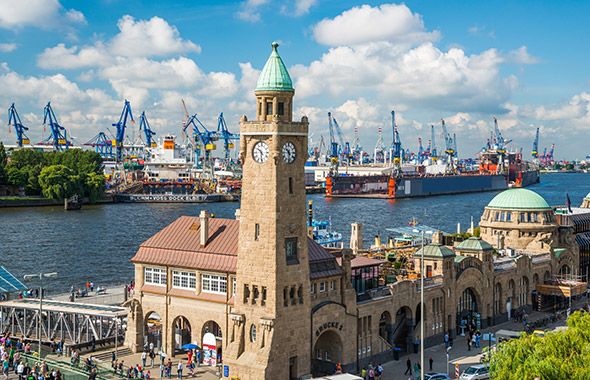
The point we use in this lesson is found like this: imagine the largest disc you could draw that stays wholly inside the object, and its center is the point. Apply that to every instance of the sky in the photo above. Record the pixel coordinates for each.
(523, 62)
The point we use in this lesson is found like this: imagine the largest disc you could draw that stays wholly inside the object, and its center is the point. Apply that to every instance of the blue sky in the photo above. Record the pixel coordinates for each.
(523, 62)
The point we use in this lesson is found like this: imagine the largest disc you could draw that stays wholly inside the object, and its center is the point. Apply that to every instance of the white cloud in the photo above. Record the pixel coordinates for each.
(154, 37)
(298, 8)
(61, 57)
(521, 55)
(249, 10)
(388, 22)
(45, 14)
(7, 47)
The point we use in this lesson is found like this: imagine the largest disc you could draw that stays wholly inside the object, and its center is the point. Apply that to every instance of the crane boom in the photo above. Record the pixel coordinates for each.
(433, 153)
(143, 124)
(223, 133)
(58, 139)
(19, 128)
(535, 151)
(121, 125)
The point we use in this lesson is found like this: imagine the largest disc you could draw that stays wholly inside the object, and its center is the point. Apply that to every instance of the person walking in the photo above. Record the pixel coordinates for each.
(152, 357)
(169, 368)
(430, 361)
(417, 369)
(447, 340)
(92, 374)
(468, 343)
(179, 370)
(162, 369)
(143, 357)
(408, 367)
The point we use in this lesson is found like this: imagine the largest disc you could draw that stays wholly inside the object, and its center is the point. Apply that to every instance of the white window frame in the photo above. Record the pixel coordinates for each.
(154, 276)
(322, 287)
(212, 283)
(184, 280)
(233, 286)
(312, 288)
(332, 285)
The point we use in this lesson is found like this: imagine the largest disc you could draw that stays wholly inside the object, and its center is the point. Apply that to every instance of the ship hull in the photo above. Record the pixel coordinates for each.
(382, 186)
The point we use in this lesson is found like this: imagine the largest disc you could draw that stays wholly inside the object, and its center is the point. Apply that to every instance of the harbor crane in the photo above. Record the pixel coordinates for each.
(58, 138)
(500, 147)
(333, 149)
(145, 126)
(397, 153)
(344, 148)
(535, 151)
(450, 149)
(379, 153)
(223, 133)
(203, 139)
(357, 149)
(102, 145)
(19, 128)
(433, 153)
(121, 125)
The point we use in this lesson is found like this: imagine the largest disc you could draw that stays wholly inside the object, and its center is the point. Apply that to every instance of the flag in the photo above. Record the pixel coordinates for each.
(569, 203)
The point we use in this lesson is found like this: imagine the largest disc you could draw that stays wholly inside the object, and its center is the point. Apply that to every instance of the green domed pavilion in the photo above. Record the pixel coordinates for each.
(519, 199)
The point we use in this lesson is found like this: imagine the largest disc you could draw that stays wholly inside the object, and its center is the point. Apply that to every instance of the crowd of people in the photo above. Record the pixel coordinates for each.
(368, 373)
(11, 352)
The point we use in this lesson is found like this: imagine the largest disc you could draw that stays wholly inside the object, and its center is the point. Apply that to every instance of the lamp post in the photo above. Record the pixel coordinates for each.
(40, 277)
(422, 310)
(448, 349)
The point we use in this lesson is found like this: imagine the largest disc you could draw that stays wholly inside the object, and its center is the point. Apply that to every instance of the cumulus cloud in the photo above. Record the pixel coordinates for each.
(7, 47)
(298, 8)
(387, 22)
(249, 10)
(61, 57)
(45, 14)
(521, 55)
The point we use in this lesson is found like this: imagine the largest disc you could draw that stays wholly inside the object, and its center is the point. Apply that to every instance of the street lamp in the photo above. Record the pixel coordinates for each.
(40, 277)
(448, 349)
(422, 310)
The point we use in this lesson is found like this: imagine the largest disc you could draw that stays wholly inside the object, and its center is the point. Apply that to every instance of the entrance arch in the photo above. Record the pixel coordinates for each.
(467, 310)
(327, 351)
(212, 327)
(403, 330)
(182, 332)
(564, 270)
(385, 326)
(153, 330)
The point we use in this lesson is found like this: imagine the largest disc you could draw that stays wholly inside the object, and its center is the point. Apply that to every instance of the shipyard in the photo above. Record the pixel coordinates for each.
(249, 191)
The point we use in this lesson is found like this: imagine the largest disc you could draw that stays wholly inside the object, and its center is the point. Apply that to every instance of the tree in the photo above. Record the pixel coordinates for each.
(3, 163)
(94, 186)
(59, 182)
(17, 177)
(559, 355)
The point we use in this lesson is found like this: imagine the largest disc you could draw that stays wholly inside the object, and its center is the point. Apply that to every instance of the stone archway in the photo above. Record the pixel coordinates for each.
(153, 330)
(564, 270)
(498, 298)
(385, 326)
(181, 330)
(467, 310)
(403, 329)
(212, 327)
(327, 351)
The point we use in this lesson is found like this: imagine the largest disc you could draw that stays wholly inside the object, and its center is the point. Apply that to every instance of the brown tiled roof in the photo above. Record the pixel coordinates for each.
(179, 245)
(361, 261)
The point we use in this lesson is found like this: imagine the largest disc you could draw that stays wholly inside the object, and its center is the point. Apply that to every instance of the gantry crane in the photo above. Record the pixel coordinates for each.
(450, 149)
(147, 131)
(396, 147)
(203, 139)
(102, 144)
(58, 139)
(19, 128)
(333, 149)
(121, 125)
(535, 151)
(433, 153)
(223, 133)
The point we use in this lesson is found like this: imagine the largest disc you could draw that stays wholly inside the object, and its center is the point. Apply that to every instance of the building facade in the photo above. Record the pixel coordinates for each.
(282, 307)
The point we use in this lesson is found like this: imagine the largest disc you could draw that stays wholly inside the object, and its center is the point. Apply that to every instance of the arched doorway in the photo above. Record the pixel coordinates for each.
(182, 332)
(385, 326)
(403, 330)
(153, 330)
(467, 311)
(211, 346)
(327, 351)
(564, 270)
(523, 297)
(511, 298)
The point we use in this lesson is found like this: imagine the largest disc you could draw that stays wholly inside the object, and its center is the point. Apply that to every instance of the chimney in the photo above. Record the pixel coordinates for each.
(347, 257)
(356, 237)
(204, 227)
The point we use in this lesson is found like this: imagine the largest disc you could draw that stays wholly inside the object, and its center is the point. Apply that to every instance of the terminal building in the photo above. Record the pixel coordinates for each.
(259, 294)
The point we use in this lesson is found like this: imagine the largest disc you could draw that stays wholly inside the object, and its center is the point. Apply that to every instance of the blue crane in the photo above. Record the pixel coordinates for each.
(333, 148)
(14, 120)
(433, 153)
(535, 151)
(58, 139)
(500, 141)
(227, 137)
(121, 125)
(420, 150)
(103, 145)
(450, 148)
(344, 145)
(204, 139)
(398, 153)
(145, 126)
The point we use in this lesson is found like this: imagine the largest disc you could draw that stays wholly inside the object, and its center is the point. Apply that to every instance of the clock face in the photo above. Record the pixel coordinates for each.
(289, 152)
(260, 152)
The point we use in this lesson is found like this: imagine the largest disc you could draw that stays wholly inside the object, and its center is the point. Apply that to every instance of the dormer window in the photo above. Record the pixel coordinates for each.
(268, 108)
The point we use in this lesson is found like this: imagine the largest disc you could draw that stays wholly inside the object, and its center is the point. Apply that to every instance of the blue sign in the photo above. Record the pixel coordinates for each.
(225, 371)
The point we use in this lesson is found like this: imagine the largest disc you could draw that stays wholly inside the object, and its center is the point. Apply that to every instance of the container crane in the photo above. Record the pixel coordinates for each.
(333, 149)
(535, 151)
(145, 126)
(205, 139)
(121, 125)
(19, 128)
(357, 149)
(450, 150)
(344, 145)
(379, 149)
(550, 156)
(102, 144)
(58, 139)
(223, 133)
(433, 153)
(420, 150)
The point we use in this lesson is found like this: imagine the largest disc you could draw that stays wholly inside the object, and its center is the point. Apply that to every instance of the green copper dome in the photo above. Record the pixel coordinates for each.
(519, 199)
(587, 196)
(435, 250)
(274, 75)
(474, 244)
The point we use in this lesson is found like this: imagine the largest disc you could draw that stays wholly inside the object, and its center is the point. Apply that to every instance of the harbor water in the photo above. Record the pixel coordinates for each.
(96, 243)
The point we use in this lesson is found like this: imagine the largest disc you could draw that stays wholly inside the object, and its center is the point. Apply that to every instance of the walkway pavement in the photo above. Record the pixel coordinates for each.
(394, 370)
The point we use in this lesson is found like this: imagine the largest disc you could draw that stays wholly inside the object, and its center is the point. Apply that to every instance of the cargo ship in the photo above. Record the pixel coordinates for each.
(496, 172)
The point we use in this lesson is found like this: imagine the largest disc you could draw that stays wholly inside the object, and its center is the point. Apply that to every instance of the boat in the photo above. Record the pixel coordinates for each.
(322, 232)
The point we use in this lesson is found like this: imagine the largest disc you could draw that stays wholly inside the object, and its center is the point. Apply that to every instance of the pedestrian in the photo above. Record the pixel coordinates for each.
(379, 371)
(20, 370)
(198, 358)
(408, 367)
(179, 370)
(417, 369)
(430, 361)
(371, 374)
(121, 367)
(468, 343)
(169, 368)
(148, 375)
(152, 356)
(92, 374)
(143, 357)
(162, 368)
(447, 340)
(364, 373)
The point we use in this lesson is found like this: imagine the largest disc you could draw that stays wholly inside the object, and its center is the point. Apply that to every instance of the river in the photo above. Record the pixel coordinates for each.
(96, 243)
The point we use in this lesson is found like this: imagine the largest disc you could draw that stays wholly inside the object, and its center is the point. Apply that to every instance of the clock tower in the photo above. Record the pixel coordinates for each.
(269, 327)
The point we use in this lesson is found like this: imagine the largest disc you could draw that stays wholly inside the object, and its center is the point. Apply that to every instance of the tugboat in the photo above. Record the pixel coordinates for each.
(322, 232)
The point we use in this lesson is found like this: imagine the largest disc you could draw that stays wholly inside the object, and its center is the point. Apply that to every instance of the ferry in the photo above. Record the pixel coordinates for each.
(322, 232)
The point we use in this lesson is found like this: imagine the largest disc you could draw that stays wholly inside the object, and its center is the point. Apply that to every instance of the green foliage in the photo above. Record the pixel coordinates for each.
(559, 355)
(85, 175)
(476, 231)
(464, 235)
(3, 164)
